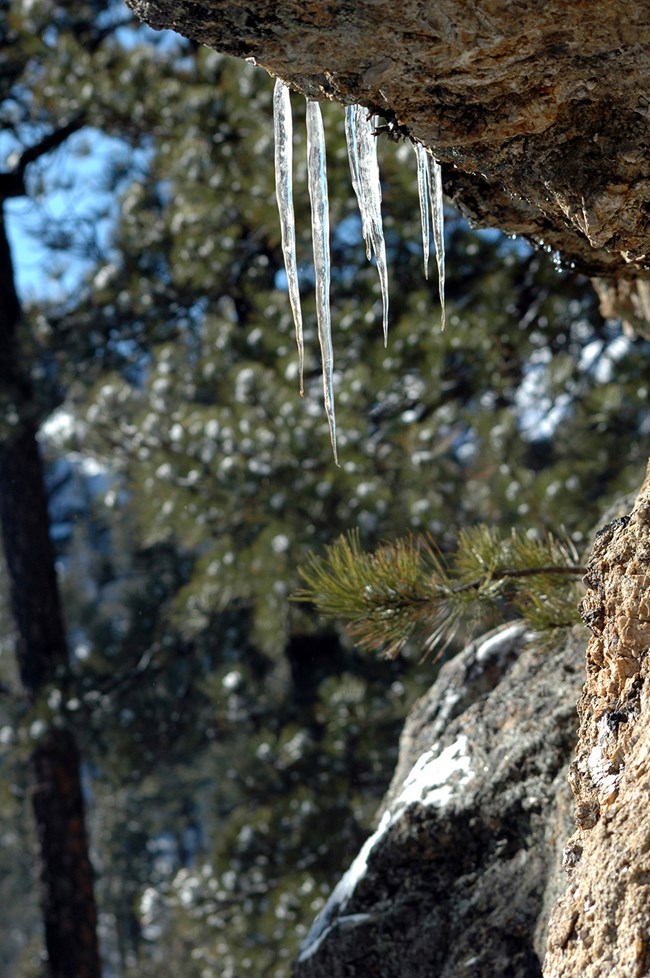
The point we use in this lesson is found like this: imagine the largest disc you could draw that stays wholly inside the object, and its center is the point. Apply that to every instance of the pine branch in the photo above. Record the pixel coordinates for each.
(12, 184)
(407, 589)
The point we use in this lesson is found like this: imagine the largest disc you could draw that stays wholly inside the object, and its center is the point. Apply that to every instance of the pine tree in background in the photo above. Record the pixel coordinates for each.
(44, 103)
(220, 721)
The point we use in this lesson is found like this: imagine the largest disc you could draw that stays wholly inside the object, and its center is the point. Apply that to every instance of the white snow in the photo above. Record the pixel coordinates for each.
(430, 777)
(283, 129)
(433, 780)
(347, 920)
(501, 643)
(280, 543)
(341, 893)
(59, 427)
(605, 774)
(362, 153)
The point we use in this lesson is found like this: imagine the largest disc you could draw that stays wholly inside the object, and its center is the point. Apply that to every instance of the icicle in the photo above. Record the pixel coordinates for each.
(352, 139)
(283, 129)
(423, 194)
(362, 152)
(438, 215)
(317, 181)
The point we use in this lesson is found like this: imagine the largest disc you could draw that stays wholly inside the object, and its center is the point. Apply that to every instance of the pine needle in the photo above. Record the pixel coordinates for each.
(406, 588)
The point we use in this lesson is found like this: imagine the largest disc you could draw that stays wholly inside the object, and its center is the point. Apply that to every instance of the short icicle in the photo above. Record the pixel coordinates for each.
(317, 182)
(438, 215)
(423, 194)
(283, 130)
(362, 152)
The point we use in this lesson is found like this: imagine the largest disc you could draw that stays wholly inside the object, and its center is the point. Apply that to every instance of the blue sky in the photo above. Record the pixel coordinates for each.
(67, 188)
(66, 191)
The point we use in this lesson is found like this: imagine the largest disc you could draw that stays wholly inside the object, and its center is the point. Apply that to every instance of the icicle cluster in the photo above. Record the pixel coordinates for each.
(362, 153)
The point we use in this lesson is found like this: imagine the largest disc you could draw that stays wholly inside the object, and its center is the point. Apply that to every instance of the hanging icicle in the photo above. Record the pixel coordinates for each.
(283, 130)
(317, 182)
(438, 215)
(432, 212)
(362, 153)
(423, 194)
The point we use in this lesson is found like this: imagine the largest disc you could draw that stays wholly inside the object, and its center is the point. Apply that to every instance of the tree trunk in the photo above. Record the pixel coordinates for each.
(66, 872)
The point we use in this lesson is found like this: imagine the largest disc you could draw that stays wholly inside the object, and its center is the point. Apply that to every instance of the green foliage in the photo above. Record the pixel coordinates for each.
(406, 589)
(236, 747)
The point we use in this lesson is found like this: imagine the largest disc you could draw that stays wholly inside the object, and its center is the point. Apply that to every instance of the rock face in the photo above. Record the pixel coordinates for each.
(538, 111)
(601, 926)
(459, 878)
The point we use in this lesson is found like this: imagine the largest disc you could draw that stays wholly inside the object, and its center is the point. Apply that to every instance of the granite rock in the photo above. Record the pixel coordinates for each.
(460, 875)
(536, 110)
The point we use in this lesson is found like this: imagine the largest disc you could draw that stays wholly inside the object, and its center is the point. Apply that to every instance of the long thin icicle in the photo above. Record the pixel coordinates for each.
(362, 152)
(423, 194)
(320, 230)
(438, 215)
(352, 139)
(283, 130)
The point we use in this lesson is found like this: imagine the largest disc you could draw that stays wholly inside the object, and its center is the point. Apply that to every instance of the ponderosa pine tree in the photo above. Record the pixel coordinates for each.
(179, 363)
(54, 62)
(66, 873)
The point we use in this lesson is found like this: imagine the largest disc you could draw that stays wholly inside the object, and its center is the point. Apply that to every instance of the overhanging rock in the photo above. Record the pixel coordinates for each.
(539, 112)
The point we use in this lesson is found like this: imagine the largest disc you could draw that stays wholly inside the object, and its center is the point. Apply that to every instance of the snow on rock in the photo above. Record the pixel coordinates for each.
(458, 878)
(433, 780)
(501, 642)
(437, 774)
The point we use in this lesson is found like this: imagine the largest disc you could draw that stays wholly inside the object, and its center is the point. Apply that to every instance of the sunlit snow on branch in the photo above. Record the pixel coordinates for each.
(364, 168)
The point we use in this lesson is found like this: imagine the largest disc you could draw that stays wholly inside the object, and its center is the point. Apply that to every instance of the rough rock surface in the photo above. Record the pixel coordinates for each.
(540, 111)
(459, 878)
(601, 926)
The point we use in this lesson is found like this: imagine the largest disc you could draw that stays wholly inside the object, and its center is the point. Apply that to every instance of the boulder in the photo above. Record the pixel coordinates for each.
(465, 864)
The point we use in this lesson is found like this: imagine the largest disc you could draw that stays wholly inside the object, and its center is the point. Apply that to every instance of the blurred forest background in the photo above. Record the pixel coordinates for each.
(234, 748)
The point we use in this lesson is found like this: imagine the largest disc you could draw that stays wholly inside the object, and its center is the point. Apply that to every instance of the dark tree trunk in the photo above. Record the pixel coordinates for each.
(66, 872)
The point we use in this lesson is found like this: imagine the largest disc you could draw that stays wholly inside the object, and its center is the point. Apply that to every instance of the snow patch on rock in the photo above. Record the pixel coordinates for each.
(433, 780)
